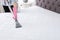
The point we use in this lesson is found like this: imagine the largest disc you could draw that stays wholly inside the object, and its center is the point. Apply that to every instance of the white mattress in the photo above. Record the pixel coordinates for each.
(37, 24)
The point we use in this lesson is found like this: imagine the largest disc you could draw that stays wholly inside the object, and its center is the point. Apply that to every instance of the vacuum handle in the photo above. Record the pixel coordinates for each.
(9, 7)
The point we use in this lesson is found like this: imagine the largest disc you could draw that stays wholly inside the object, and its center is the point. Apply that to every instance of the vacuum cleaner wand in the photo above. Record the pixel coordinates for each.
(18, 25)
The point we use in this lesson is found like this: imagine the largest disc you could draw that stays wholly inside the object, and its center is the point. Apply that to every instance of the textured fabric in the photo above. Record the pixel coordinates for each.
(53, 5)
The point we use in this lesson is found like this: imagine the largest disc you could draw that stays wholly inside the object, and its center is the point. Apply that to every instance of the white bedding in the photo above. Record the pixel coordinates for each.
(37, 24)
